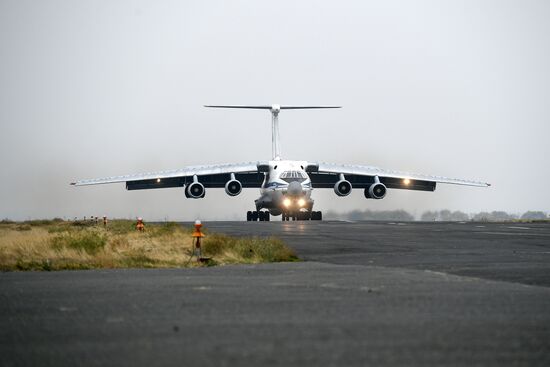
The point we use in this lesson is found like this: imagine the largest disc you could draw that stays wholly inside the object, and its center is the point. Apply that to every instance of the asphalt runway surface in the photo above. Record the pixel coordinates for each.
(383, 294)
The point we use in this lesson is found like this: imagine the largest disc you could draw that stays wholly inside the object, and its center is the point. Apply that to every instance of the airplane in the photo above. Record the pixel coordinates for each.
(285, 185)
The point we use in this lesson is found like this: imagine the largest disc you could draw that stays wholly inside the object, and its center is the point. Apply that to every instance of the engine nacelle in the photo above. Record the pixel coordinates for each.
(342, 187)
(376, 191)
(233, 187)
(195, 190)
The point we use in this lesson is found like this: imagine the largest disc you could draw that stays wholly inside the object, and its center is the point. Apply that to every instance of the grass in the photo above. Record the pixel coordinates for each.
(59, 245)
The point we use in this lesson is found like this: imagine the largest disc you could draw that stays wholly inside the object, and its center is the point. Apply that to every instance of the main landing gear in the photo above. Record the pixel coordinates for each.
(303, 216)
(264, 216)
(253, 216)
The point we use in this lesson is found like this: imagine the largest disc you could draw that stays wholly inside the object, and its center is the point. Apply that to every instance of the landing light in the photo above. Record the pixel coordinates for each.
(286, 202)
(301, 202)
(406, 181)
(158, 179)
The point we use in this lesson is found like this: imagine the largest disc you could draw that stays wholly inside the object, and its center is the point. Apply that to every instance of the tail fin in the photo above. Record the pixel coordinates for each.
(275, 109)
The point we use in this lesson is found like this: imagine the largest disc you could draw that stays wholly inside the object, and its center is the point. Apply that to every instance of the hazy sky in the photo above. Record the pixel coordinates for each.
(99, 88)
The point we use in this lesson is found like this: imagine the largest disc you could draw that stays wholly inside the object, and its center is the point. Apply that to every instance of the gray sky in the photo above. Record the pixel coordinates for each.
(99, 88)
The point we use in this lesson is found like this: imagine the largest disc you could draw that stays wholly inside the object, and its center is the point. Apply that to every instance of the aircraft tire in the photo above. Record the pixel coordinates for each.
(266, 217)
(316, 216)
(254, 216)
(248, 216)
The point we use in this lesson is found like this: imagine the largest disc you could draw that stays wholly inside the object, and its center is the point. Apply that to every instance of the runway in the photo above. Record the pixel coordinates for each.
(388, 294)
(498, 251)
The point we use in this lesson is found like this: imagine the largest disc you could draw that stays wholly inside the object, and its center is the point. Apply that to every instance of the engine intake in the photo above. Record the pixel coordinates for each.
(376, 191)
(233, 187)
(342, 187)
(195, 190)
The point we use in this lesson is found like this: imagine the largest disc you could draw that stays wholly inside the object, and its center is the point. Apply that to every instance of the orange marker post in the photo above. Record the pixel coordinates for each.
(197, 235)
(140, 226)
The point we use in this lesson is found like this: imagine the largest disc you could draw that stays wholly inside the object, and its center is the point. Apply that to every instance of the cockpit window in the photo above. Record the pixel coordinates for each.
(293, 174)
(290, 176)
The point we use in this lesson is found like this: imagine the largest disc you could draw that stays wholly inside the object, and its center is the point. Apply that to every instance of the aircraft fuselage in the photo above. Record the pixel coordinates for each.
(286, 188)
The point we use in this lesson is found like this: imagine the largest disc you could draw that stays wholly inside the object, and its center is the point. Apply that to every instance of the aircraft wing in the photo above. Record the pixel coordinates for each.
(363, 176)
(211, 176)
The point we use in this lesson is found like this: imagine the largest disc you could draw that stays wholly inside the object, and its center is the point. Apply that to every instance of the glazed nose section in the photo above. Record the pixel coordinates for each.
(294, 188)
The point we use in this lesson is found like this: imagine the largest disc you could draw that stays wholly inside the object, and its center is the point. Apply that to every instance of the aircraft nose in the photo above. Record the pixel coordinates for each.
(294, 188)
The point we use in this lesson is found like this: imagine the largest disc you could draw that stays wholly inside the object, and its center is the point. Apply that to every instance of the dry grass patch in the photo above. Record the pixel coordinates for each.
(58, 245)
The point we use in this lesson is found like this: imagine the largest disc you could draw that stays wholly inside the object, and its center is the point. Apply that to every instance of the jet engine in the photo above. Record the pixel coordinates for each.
(376, 191)
(195, 190)
(342, 187)
(233, 187)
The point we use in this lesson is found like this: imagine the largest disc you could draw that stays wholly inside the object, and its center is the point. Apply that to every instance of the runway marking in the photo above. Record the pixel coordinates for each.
(518, 227)
(517, 234)
(201, 288)
(401, 224)
(480, 226)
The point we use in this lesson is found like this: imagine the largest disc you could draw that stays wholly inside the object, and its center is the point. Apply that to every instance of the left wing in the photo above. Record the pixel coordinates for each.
(327, 175)
(211, 176)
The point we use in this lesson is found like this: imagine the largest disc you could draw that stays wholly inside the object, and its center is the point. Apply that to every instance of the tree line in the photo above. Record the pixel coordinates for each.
(444, 215)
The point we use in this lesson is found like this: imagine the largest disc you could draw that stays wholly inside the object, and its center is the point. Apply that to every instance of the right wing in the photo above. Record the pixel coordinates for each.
(211, 176)
(327, 174)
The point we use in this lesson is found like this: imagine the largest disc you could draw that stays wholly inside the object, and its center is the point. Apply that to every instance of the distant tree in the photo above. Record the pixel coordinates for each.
(429, 216)
(533, 215)
(481, 217)
(459, 216)
(356, 215)
(397, 215)
(494, 216)
(502, 216)
(445, 215)
(331, 214)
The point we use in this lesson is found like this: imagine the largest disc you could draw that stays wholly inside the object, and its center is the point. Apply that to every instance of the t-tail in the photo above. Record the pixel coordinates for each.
(275, 109)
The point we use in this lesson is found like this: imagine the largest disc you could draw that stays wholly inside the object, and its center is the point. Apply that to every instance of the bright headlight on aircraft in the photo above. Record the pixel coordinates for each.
(406, 181)
(286, 202)
(301, 202)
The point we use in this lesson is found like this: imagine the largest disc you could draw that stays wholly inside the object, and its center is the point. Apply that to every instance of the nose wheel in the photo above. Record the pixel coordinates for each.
(253, 216)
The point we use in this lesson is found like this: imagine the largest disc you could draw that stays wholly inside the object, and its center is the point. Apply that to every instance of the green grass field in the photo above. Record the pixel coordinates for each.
(60, 245)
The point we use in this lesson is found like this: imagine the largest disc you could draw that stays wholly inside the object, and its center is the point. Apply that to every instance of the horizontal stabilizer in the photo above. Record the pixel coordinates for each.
(272, 107)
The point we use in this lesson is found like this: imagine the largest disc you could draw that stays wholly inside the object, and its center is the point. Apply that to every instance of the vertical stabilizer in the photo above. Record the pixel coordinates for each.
(275, 136)
(274, 109)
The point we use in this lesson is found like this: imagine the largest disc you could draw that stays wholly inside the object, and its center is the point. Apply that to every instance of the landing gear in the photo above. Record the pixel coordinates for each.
(288, 216)
(263, 216)
(253, 216)
(316, 215)
(302, 216)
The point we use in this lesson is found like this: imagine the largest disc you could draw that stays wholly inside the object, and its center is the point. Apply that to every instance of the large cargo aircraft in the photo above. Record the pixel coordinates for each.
(285, 185)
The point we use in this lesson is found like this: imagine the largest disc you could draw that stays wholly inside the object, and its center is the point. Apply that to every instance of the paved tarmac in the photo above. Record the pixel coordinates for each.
(384, 294)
